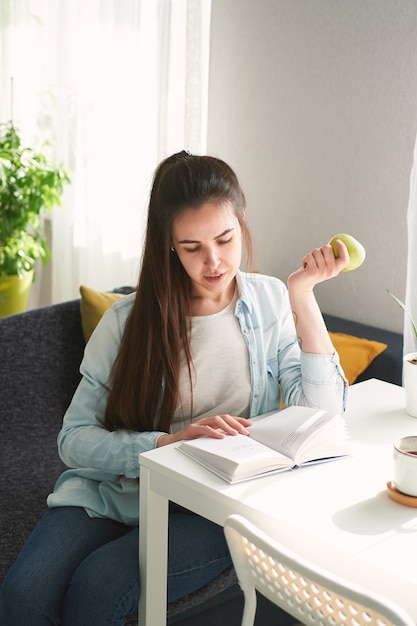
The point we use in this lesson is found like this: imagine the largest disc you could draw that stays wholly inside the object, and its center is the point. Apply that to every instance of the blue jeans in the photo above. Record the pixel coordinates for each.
(80, 571)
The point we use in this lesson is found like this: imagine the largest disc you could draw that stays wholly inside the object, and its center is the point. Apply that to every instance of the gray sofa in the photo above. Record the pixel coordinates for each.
(40, 352)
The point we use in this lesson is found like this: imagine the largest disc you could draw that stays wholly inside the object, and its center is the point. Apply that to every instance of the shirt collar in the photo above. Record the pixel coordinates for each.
(242, 288)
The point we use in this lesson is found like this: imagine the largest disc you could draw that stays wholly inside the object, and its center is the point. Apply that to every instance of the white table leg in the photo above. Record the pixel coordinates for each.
(153, 554)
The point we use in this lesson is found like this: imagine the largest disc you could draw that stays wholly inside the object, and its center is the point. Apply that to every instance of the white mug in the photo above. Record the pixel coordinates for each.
(405, 465)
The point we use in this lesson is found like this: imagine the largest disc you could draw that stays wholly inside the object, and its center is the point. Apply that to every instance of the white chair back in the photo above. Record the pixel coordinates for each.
(308, 593)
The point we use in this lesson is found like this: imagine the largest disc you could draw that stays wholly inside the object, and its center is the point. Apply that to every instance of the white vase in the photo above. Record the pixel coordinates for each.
(410, 382)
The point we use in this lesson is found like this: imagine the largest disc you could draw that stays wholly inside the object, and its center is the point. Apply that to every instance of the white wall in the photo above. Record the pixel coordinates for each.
(314, 103)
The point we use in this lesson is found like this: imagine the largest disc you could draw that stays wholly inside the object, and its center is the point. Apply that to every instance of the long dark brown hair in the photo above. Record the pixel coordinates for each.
(145, 376)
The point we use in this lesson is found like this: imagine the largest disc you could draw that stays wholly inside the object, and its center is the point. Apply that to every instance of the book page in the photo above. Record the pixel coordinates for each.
(235, 456)
(302, 433)
(235, 449)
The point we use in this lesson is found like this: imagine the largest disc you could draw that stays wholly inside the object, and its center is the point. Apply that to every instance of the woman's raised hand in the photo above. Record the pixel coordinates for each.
(319, 265)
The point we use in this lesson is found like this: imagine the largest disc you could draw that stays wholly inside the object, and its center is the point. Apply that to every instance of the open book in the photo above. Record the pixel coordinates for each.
(279, 441)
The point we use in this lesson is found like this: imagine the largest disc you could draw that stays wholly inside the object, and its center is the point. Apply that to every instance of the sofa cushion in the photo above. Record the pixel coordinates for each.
(93, 305)
(356, 353)
(387, 365)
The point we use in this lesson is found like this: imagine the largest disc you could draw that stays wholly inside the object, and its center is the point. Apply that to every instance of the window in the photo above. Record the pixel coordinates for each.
(114, 86)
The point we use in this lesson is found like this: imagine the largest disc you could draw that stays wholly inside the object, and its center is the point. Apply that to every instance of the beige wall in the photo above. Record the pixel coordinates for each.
(314, 103)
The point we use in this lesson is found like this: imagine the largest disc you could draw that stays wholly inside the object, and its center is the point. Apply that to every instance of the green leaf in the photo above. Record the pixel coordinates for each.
(404, 308)
(30, 185)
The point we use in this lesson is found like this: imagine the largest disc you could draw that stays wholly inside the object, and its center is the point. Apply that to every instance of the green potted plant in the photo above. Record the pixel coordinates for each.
(30, 184)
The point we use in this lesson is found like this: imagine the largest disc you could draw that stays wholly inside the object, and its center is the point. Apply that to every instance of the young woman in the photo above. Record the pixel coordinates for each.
(198, 350)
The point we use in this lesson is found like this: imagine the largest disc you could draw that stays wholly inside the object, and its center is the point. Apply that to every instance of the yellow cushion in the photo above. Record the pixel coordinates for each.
(355, 353)
(93, 305)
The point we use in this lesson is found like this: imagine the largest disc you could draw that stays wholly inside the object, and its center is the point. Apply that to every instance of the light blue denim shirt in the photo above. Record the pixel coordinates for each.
(104, 478)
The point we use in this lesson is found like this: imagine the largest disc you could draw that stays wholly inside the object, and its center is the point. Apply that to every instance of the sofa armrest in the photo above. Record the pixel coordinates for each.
(41, 351)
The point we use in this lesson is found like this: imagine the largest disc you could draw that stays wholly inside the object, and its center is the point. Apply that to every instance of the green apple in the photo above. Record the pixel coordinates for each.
(356, 251)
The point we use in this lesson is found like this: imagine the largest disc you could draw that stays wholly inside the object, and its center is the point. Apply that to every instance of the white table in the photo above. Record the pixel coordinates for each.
(337, 514)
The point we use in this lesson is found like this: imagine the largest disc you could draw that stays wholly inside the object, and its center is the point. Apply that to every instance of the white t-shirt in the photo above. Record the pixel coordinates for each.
(220, 358)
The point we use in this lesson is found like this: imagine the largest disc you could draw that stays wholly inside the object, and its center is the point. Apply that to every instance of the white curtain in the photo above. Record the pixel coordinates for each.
(410, 341)
(115, 86)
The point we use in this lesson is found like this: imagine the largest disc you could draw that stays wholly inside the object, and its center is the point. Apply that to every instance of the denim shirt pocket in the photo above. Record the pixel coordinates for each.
(272, 390)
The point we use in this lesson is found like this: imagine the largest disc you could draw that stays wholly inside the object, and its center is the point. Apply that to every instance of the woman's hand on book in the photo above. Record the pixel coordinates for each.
(215, 426)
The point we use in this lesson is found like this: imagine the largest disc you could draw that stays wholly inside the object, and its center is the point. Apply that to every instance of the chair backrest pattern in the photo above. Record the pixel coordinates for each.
(313, 598)
(312, 603)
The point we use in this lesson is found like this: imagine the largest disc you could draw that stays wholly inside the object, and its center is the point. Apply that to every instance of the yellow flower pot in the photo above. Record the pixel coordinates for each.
(14, 293)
